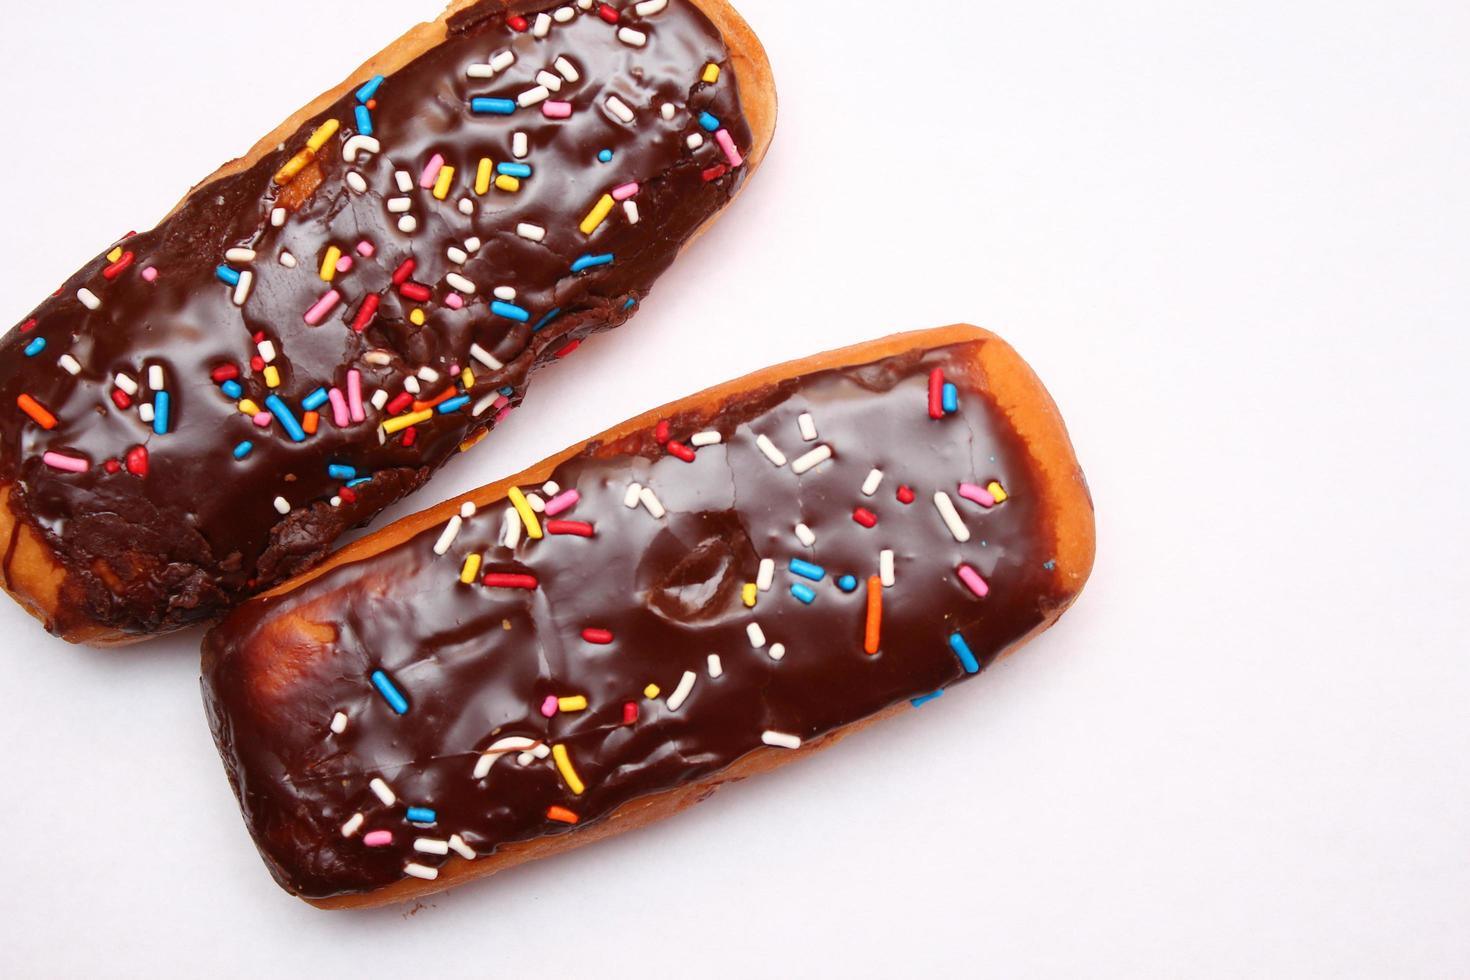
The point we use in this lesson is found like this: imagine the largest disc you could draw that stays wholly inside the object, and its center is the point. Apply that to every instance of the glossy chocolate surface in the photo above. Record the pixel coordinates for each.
(156, 537)
(477, 663)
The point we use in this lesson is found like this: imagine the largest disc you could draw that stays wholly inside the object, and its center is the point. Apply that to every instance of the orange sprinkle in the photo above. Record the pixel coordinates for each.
(36, 411)
(561, 814)
(437, 400)
(309, 421)
(875, 614)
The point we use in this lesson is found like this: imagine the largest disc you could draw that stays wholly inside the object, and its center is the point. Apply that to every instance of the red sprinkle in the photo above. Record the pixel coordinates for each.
(409, 435)
(347, 495)
(865, 517)
(681, 450)
(257, 363)
(223, 373)
(599, 636)
(936, 394)
(416, 291)
(518, 24)
(607, 13)
(121, 400)
(366, 312)
(28, 326)
(565, 351)
(662, 432)
(508, 580)
(579, 528)
(401, 274)
(112, 466)
(116, 269)
(137, 460)
(905, 495)
(400, 402)
(630, 712)
(715, 172)
(258, 336)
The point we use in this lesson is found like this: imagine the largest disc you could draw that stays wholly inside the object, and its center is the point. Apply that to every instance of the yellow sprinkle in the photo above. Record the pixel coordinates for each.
(272, 376)
(484, 175)
(997, 491)
(402, 422)
(651, 691)
(577, 702)
(323, 133)
(470, 570)
(115, 254)
(445, 181)
(468, 377)
(329, 263)
(249, 407)
(711, 74)
(473, 440)
(293, 167)
(528, 516)
(747, 592)
(508, 183)
(416, 316)
(597, 215)
(564, 766)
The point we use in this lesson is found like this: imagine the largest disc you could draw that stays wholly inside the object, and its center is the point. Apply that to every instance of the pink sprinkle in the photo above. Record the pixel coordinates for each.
(323, 306)
(262, 419)
(625, 192)
(354, 395)
(454, 301)
(556, 110)
(378, 838)
(548, 707)
(431, 172)
(727, 143)
(502, 415)
(972, 579)
(501, 402)
(68, 463)
(344, 264)
(150, 274)
(365, 249)
(339, 408)
(562, 502)
(977, 494)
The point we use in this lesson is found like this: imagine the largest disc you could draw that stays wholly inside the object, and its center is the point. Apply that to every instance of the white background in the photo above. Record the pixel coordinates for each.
(1231, 237)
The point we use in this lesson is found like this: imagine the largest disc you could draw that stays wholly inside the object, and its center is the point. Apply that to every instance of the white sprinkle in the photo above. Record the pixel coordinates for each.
(766, 575)
(549, 80)
(155, 377)
(380, 398)
(353, 825)
(567, 70)
(585, 4)
(480, 71)
(428, 374)
(531, 232)
(458, 846)
(467, 510)
(278, 217)
(126, 383)
(756, 634)
(620, 109)
(69, 364)
(506, 293)
(520, 146)
(408, 224)
(339, 723)
(379, 357)
(812, 459)
(283, 506)
(336, 501)
(694, 141)
(715, 667)
(420, 871)
(651, 502)
(145, 412)
(356, 182)
(460, 283)
(451, 531)
(511, 743)
(288, 260)
(430, 845)
(88, 298)
(551, 488)
(400, 205)
(650, 7)
(708, 438)
(383, 792)
(466, 206)
(808, 426)
(503, 60)
(472, 245)
(484, 404)
(563, 14)
(766, 446)
(633, 495)
(781, 740)
(242, 288)
(404, 180)
(777, 651)
(484, 357)
(537, 504)
(805, 536)
(632, 38)
(885, 567)
(359, 144)
(630, 208)
(457, 255)
(533, 96)
(872, 483)
(241, 256)
(542, 27)
(267, 350)
(681, 693)
(951, 517)
(510, 534)
(667, 110)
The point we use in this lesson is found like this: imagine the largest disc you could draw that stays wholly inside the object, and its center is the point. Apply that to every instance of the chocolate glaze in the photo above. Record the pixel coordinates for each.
(476, 663)
(200, 532)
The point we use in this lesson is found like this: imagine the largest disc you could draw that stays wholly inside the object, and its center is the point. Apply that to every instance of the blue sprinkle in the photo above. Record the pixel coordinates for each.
(519, 170)
(422, 814)
(510, 311)
(315, 400)
(390, 692)
(232, 388)
(708, 121)
(160, 413)
(807, 570)
(962, 650)
(227, 275)
(243, 449)
(453, 404)
(847, 583)
(338, 471)
(919, 702)
(1050, 566)
(546, 319)
(630, 304)
(364, 121)
(360, 481)
(496, 107)
(35, 347)
(605, 156)
(588, 261)
(804, 593)
(507, 391)
(370, 89)
(951, 398)
(283, 415)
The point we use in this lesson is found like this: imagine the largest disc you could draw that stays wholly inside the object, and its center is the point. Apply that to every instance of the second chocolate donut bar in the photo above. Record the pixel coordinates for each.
(698, 595)
(202, 410)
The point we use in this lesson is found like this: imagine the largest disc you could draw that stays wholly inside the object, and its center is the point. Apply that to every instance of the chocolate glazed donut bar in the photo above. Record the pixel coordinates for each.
(703, 593)
(201, 411)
